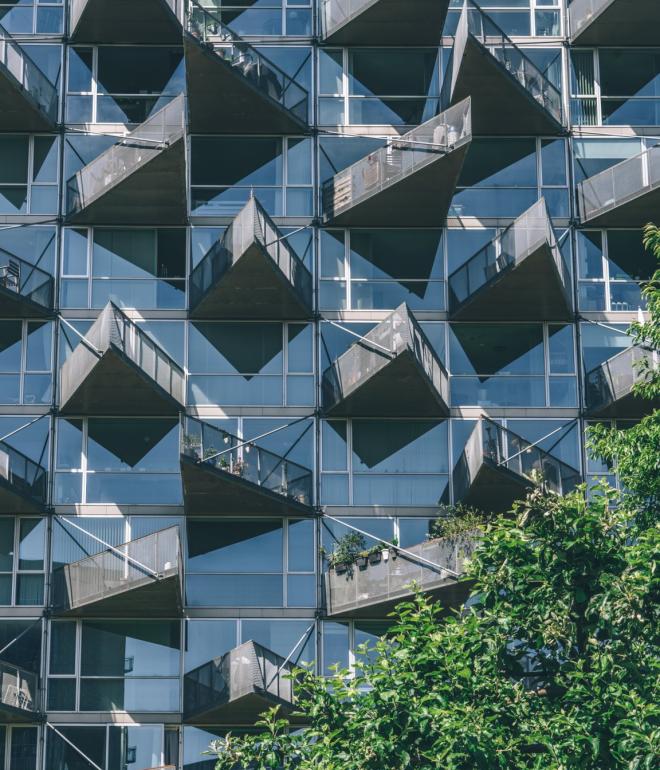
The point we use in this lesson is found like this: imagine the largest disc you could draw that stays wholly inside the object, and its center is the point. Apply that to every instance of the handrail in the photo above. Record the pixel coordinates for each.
(29, 275)
(18, 687)
(616, 376)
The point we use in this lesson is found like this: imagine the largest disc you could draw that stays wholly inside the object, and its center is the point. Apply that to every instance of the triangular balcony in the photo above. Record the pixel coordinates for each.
(510, 94)
(497, 467)
(251, 272)
(142, 578)
(614, 22)
(609, 386)
(117, 369)
(19, 696)
(409, 182)
(518, 276)
(25, 290)
(23, 482)
(29, 100)
(373, 587)
(235, 89)
(222, 474)
(125, 21)
(139, 180)
(625, 195)
(238, 687)
(383, 22)
(392, 371)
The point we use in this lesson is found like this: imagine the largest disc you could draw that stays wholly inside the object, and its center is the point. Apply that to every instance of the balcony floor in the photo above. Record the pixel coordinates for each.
(244, 710)
(636, 211)
(621, 25)
(126, 21)
(494, 488)
(625, 406)
(14, 716)
(20, 112)
(13, 500)
(15, 305)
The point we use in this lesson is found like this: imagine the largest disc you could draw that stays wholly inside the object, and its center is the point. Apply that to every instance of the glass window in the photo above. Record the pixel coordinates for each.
(27, 17)
(22, 547)
(109, 747)
(265, 18)
(29, 174)
(18, 747)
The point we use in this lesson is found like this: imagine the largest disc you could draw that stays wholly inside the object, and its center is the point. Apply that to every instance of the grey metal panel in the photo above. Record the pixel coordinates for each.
(125, 21)
(23, 483)
(19, 694)
(614, 22)
(383, 22)
(25, 290)
(609, 387)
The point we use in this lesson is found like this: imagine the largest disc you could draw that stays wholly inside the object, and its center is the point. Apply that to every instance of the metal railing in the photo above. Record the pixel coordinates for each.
(582, 12)
(118, 569)
(206, 444)
(619, 184)
(615, 378)
(26, 279)
(153, 136)
(399, 158)
(20, 688)
(31, 78)
(25, 476)
(247, 62)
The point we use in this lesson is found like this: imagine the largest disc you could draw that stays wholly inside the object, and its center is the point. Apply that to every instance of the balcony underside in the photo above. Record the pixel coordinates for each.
(124, 21)
(15, 500)
(16, 305)
(494, 489)
(624, 405)
(620, 24)
(401, 388)
(223, 101)
(253, 287)
(243, 710)
(392, 22)
(111, 385)
(20, 112)
(636, 211)
(529, 290)
(209, 490)
(500, 103)
(16, 716)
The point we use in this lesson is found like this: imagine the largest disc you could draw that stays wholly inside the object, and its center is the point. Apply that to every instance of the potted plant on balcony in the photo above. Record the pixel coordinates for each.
(458, 525)
(192, 445)
(346, 552)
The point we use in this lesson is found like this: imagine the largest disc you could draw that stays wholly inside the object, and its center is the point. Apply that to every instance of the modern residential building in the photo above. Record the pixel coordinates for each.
(276, 272)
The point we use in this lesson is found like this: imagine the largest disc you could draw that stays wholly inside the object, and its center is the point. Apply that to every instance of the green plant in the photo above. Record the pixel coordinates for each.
(346, 549)
(457, 520)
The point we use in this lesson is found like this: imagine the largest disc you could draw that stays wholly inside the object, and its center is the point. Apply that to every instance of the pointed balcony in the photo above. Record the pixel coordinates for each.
(614, 22)
(238, 687)
(392, 371)
(29, 100)
(25, 290)
(625, 195)
(609, 386)
(19, 695)
(139, 180)
(383, 22)
(257, 96)
(125, 21)
(519, 276)
(408, 182)
(222, 474)
(510, 95)
(117, 369)
(497, 466)
(251, 273)
(23, 482)
(142, 578)
(374, 588)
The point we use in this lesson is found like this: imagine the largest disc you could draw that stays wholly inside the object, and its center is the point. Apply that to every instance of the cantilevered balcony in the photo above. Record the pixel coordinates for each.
(19, 694)
(25, 290)
(510, 94)
(125, 21)
(224, 475)
(142, 578)
(625, 195)
(29, 100)
(392, 371)
(117, 369)
(238, 687)
(139, 180)
(23, 482)
(251, 272)
(614, 22)
(408, 182)
(518, 276)
(383, 22)
(497, 468)
(232, 88)
(609, 387)
(374, 589)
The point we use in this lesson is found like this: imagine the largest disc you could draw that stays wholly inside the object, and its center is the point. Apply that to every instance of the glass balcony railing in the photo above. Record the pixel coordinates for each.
(20, 691)
(23, 482)
(23, 285)
(609, 386)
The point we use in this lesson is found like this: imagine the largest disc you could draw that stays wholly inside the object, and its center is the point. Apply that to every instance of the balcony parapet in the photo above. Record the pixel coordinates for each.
(126, 21)
(23, 482)
(614, 22)
(25, 290)
(19, 694)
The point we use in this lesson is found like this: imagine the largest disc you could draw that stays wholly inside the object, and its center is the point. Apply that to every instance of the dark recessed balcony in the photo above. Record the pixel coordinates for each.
(518, 276)
(25, 290)
(125, 21)
(625, 195)
(19, 695)
(238, 687)
(392, 372)
(221, 474)
(29, 100)
(23, 482)
(497, 466)
(142, 578)
(234, 89)
(374, 589)
(119, 370)
(251, 272)
(139, 180)
(510, 94)
(409, 182)
(383, 22)
(614, 22)
(609, 386)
